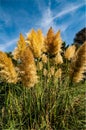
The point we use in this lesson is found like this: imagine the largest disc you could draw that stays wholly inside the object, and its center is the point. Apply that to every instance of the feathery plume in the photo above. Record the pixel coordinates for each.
(21, 46)
(15, 53)
(52, 70)
(53, 42)
(57, 43)
(27, 66)
(58, 73)
(58, 59)
(70, 51)
(7, 69)
(45, 72)
(44, 58)
(78, 65)
(50, 36)
(36, 42)
(40, 65)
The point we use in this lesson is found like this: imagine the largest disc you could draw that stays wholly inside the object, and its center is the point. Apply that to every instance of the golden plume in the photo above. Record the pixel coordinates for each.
(36, 42)
(39, 65)
(53, 42)
(50, 36)
(70, 51)
(58, 73)
(78, 65)
(58, 59)
(44, 58)
(52, 70)
(21, 46)
(28, 68)
(57, 43)
(7, 70)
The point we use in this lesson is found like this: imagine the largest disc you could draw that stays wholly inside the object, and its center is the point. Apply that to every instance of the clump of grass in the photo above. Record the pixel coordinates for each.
(78, 66)
(7, 69)
(52, 103)
(70, 52)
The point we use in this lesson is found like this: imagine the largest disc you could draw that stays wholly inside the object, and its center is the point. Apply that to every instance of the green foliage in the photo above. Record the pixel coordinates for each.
(47, 106)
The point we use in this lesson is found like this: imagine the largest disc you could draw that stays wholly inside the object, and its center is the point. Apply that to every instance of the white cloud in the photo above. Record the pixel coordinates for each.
(3, 47)
(45, 22)
(48, 17)
(67, 11)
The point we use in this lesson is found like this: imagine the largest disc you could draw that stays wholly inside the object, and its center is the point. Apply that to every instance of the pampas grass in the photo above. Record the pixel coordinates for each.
(7, 69)
(53, 42)
(78, 65)
(27, 66)
(58, 59)
(48, 94)
(21, 46)
(70, 52)
(36, 42)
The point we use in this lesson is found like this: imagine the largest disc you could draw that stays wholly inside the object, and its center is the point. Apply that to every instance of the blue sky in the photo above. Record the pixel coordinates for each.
(20, 16)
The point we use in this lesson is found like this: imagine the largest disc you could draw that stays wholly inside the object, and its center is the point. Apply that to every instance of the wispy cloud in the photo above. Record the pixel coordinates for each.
(63, 17)
(7, 31)
(68, 10)
(48, 17)
(59, 15)
(4, 47)
(45, 22)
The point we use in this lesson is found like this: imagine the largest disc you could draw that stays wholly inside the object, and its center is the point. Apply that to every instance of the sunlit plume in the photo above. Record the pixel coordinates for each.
(70, 51)
(36, 42)
(58, 59)
(7, 69)
(27, 66)
(21, 46)
(78, 65)
(53, 42)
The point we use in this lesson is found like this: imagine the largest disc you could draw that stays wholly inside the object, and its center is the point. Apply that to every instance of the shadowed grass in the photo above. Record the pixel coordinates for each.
(49, 107)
